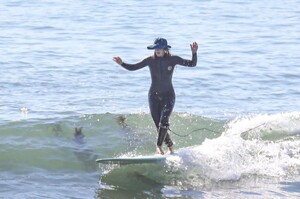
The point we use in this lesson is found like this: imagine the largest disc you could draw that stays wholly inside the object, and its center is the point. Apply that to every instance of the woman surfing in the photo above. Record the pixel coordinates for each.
(161, 94)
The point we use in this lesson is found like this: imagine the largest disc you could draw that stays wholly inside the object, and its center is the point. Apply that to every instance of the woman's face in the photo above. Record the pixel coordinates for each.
(159, 52)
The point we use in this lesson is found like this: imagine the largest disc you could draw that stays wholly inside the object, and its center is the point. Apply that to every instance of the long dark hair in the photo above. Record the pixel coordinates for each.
(167, 53)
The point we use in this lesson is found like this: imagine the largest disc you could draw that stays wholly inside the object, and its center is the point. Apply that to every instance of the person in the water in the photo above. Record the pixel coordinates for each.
(161, 94)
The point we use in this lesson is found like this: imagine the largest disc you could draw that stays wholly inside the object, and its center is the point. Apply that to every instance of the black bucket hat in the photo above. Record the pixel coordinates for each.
(159, 43)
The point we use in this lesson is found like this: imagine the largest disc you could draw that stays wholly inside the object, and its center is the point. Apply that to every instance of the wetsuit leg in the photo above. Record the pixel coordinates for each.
(167, 108)
(163, 136)
(161, 108)
(155, 109)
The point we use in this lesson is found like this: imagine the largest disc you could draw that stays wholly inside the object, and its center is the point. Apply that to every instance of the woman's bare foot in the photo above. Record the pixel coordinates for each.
(159, 150)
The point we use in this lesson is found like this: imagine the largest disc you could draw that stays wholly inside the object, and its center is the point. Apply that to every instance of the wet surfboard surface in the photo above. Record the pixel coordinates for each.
(133, 160)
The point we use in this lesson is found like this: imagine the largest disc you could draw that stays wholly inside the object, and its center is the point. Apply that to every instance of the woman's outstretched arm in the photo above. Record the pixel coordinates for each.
(131, 67)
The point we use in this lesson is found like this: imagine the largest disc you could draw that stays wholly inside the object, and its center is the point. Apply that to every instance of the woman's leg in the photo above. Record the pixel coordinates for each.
(163, 136)
(155, 109)
(154, 106)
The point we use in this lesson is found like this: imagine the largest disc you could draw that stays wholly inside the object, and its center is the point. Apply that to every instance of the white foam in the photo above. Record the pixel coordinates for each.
(230, 156)
(287, 123)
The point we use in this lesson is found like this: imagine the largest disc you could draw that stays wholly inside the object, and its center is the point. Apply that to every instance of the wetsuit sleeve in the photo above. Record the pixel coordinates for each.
(136, 66)
(185, 62)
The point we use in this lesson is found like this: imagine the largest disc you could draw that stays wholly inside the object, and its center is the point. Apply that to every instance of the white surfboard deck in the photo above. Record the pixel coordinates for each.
(133, 160)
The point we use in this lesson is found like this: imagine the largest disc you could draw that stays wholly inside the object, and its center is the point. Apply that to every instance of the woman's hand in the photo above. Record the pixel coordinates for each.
(118, 60)
(194, 47)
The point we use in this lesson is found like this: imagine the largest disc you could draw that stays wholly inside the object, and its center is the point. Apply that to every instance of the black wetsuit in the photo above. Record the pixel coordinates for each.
(161, 94)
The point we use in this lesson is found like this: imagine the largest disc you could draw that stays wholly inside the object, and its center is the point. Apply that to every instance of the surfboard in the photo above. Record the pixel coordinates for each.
(133, 160)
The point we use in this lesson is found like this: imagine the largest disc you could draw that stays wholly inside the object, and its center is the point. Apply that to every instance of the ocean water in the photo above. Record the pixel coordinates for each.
(238, 111)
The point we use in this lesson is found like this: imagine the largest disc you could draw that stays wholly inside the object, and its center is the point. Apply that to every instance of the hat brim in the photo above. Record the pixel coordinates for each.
(157, 46)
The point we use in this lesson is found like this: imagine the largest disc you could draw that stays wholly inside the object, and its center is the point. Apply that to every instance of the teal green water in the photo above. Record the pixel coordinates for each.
(51, 143)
